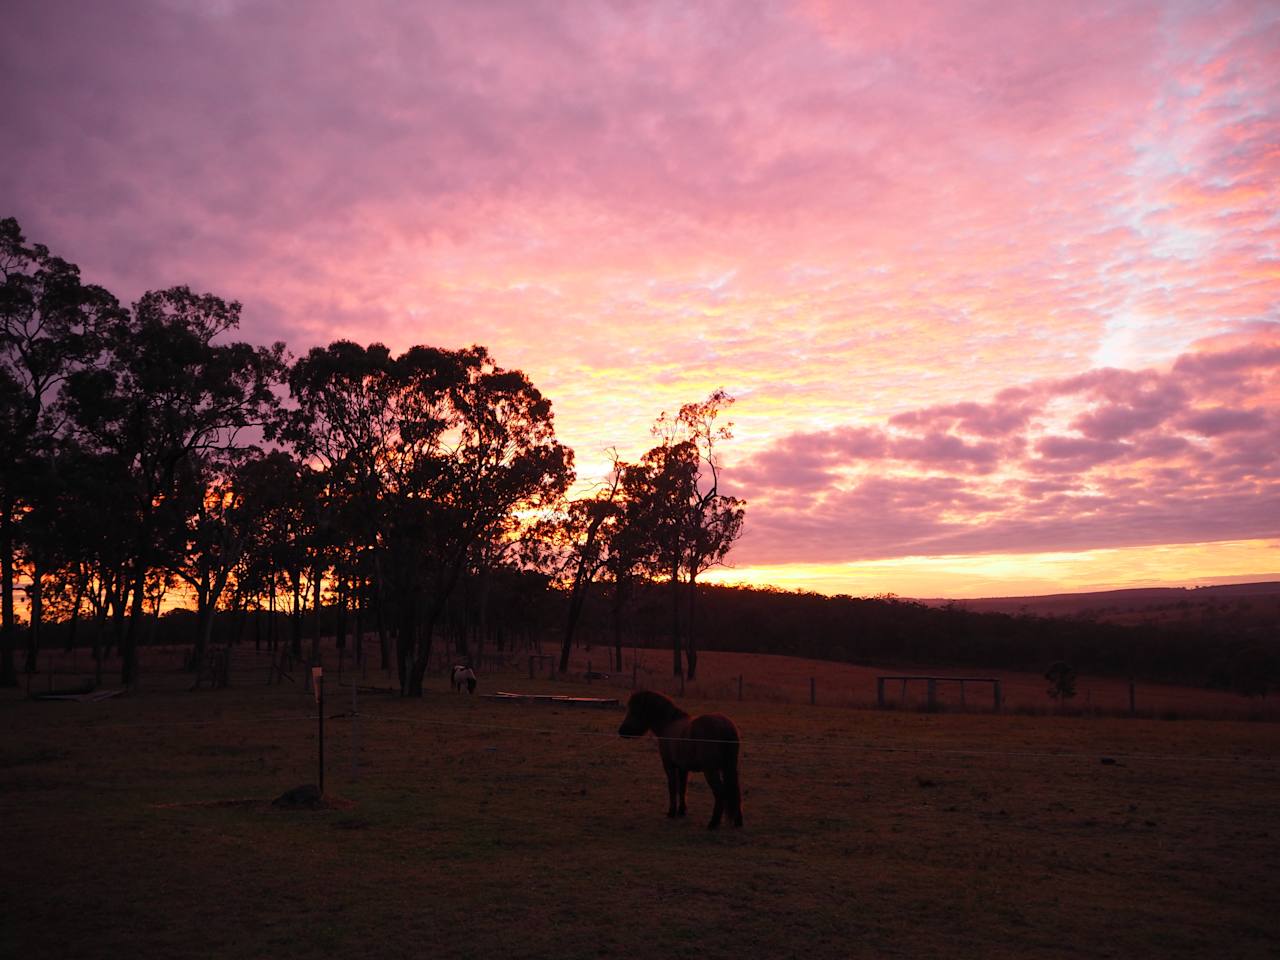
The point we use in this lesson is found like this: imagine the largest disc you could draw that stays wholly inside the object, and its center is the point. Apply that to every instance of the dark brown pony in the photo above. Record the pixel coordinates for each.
(706, 744)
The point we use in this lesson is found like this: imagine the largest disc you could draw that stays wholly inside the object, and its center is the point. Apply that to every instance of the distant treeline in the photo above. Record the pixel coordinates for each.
(1226, 645)
(1233, 646)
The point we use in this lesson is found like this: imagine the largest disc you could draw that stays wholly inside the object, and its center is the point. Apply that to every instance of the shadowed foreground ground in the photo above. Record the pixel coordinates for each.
(477, 829)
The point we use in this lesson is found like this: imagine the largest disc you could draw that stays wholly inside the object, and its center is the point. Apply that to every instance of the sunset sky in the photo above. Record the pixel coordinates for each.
(996, 285)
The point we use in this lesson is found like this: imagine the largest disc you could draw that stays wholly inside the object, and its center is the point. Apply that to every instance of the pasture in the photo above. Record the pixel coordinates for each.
(142, 826)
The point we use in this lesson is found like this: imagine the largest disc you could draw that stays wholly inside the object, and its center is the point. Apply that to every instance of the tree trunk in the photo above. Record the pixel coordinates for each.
(576, 599)
(204, 635)
(37, 615)
(691, 644)
(119, 600)
(340, 609)
(619, 604)
(82, 584)
(677, 665)
(482, 625)
(129, 645)
(129, 641)
(317, 607)
(359, 598)
(8, 671)
(99, 627)
(423, 657)
(379, 604)
(295, 638)
(271, 612)
(404, 648)
(204, 626)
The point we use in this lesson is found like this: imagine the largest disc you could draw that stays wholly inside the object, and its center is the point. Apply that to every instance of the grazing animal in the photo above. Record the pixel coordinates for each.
(706, 744)
(463, 675)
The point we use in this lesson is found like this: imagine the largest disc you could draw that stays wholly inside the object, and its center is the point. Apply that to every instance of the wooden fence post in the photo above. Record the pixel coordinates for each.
(355, 733)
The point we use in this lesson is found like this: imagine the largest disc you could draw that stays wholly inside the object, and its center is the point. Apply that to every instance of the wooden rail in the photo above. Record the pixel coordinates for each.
(932, 687)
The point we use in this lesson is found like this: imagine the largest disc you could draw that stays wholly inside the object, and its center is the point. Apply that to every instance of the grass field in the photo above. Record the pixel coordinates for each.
(142, 826)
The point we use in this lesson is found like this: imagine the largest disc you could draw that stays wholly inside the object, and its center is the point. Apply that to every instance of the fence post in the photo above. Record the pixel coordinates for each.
(355, 733)
(317, 687)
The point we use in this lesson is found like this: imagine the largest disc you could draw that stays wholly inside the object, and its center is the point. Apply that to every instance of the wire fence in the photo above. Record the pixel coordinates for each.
(726, 677)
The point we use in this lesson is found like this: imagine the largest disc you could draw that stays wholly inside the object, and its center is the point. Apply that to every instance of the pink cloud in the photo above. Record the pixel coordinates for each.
(969, 417)
(920, 238)
(1190, 468)
(1219, 420)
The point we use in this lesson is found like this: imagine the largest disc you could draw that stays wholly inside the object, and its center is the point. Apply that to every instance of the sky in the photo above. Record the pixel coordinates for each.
(996, 286)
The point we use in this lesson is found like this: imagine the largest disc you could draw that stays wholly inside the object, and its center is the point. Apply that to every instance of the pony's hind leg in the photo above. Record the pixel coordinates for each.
(673, 788)
(717, 790)
(682, 809)
(733, 795)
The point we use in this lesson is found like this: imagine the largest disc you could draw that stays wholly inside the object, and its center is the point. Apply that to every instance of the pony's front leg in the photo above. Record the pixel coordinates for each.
(684, 785)
(673, 786)
(717, 790)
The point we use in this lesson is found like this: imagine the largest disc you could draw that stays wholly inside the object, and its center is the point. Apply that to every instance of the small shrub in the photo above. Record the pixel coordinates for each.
(1062, 680)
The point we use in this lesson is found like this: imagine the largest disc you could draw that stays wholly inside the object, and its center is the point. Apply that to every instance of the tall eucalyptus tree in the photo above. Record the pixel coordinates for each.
(170, 392)
(50, 324)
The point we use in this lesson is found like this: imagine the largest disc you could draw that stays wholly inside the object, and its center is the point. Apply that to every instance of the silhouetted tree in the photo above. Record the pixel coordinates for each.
(428, 455)
(343, 421)
(585, 532)
(692, 525)
(49, 328)
(219, 527)
(273, 490)
(169, 393)
(1062, 681)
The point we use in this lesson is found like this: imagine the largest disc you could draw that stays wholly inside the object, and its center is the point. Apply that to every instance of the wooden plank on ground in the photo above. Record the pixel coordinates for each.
(506, 696)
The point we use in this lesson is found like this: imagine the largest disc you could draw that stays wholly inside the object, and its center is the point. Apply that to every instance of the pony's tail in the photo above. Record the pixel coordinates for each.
(732, 787)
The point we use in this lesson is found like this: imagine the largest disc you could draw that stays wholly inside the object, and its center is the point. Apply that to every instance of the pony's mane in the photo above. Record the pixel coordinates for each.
(656, 705)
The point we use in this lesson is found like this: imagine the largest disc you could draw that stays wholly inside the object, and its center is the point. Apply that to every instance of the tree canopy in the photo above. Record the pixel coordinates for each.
(146, 447)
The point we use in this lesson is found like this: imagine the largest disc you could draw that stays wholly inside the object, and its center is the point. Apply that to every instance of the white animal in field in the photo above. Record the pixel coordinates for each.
(463, 676)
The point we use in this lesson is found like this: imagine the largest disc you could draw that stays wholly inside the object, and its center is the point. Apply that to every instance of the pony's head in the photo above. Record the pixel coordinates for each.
(646, 711)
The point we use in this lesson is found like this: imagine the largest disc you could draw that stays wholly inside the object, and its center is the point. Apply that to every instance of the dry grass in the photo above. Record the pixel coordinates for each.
(779, 679)
(479, 829)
